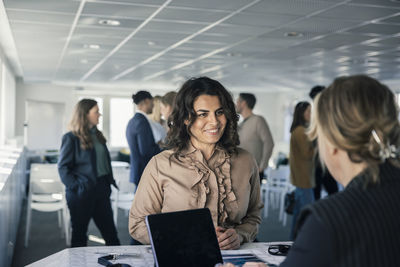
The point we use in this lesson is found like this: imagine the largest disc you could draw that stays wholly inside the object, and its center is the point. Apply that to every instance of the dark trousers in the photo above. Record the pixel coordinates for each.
(92, 203)
(324, 178)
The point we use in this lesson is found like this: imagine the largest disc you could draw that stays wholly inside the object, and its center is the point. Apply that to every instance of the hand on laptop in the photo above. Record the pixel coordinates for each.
(227, 238)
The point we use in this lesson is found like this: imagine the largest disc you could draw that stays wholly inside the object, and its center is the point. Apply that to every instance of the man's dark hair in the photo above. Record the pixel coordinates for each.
(140, 96)
(250, 99)
(316, 90)
(179, 133)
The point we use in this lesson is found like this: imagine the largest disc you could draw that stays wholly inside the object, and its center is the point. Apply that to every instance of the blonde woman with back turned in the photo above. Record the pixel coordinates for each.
(356, 123)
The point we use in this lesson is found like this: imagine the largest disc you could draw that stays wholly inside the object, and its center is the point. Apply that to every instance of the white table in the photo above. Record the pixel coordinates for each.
(139, 255)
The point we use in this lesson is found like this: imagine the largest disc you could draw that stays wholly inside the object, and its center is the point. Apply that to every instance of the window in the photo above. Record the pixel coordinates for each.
(121, 111)
(100, 104)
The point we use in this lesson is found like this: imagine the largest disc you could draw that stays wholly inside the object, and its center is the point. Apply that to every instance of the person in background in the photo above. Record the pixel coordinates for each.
(202, 168)
(140, 136)
(356, 125)
(167, 105)
(300, 160)
(254, 133)
(156, 122)
(84, 166)
(322, 176)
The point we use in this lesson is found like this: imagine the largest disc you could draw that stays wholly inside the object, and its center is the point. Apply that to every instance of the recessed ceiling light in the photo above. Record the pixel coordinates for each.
(293, 34)
(91, 46)
(109, 22)
(151, 43)
(84, 61)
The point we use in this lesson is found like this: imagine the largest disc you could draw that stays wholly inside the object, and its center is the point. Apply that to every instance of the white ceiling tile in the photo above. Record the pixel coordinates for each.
(43, 5)
(290, 7)
(191, 15)
(211, 4)
(118, 10)
(377, 29)
(362, 13)
(257, 19)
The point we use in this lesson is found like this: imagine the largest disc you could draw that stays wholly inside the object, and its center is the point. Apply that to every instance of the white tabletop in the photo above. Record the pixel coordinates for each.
(137, 255)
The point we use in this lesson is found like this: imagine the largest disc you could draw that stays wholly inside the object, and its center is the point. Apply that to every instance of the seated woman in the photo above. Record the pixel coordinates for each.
(356, 122)
(202, 168)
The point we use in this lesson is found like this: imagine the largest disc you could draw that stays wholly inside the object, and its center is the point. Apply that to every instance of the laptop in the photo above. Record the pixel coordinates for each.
(183, 238)
(187, 238)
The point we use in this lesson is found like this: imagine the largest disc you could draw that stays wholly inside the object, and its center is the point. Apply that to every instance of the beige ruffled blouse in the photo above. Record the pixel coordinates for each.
(228, 186)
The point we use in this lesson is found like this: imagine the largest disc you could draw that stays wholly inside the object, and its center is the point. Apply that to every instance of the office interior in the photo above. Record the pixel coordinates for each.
(55, 52)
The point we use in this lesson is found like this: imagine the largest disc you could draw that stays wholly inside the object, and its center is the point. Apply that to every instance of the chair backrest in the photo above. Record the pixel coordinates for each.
(279, 177)
(44, 179)
(121, 176)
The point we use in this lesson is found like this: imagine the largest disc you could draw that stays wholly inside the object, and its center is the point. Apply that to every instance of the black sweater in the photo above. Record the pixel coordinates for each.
(357, 227)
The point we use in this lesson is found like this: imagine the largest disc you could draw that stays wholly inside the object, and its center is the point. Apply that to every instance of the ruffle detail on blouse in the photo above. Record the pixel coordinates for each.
(200, 188)
(226, 194)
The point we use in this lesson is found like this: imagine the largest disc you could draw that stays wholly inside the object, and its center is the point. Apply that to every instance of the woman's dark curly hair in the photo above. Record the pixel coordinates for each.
(179, 133)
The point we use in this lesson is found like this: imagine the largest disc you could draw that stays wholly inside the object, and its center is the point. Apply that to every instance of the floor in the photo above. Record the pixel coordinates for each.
(45, 238)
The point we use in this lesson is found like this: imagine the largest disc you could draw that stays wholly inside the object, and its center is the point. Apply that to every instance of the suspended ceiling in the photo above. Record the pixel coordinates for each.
(263, 45)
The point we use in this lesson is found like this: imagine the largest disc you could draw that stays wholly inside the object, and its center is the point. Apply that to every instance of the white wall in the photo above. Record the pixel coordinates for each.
(7, 101)
(42, 92)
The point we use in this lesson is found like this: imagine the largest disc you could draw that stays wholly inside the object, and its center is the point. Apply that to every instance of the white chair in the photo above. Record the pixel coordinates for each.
(47, 194)
(122, 198)
(274, 189)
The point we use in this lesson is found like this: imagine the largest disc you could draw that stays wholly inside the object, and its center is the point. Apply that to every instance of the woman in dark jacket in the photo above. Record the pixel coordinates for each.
(85, 169)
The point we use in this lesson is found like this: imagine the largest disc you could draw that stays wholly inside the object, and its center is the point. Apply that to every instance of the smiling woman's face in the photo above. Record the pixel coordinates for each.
(210, 122)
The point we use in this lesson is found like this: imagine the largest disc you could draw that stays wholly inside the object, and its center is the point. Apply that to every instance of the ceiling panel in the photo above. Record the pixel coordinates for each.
(105, 32)
(333, 41)
(362, 13)
(172, 26)
(386, 3)
(257, 19)
(377, 29)
(43, 5)
(228, 5)
(322, 25)
(290, 7)
(394, 19)
(116, 10)
(191, 15)
(40, 17)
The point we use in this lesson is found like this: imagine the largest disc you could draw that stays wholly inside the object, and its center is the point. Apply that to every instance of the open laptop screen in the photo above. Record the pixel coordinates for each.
(184, 238)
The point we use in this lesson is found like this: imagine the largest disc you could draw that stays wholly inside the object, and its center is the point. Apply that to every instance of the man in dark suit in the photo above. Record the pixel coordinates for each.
(140, 136)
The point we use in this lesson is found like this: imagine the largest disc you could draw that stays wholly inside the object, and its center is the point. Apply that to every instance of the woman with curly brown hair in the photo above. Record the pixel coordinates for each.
(85, 169)
(202, 168)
